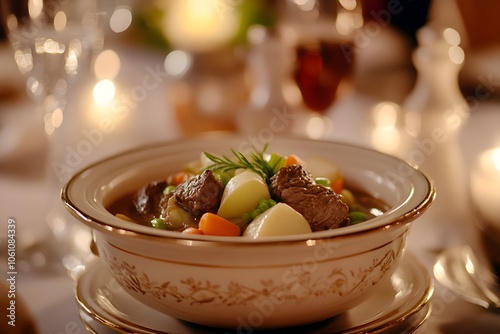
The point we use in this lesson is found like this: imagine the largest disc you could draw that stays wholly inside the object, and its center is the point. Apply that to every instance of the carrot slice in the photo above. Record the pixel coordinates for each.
(178, 178)
(338, 184)
(292, 159)
(211, 224)
(192, 230)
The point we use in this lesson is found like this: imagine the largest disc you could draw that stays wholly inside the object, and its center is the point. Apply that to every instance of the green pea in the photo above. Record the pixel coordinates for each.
(263, 205)
(323, 181)
(158, 223)
(255, 213)
(168, 189)
(357, 217)
(223, 177)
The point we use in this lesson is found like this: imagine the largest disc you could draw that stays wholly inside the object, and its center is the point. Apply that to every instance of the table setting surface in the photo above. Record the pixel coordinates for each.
(58, 301)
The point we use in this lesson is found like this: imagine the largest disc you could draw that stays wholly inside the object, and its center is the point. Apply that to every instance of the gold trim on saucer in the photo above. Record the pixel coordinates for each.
(409, 316)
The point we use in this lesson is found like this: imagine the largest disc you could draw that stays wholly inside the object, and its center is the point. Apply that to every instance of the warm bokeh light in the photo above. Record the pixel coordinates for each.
(109, 108)
(386, 139)
(451, 36)
(349, 19)
(256, 34)
(107, 65)
(52, 120)
(75, 45)
(104, 92)
(291, 93)
(495, 157)
(120, 20)
(35, 8)
(24, 60)
(57, 117)
(385, 134)
(485, 185)
(456, 54)
(199, 25)
(48, 45)
(177, 63)
(301, 2)
(316, 127)
(385, 114)
(74, 51)
(348, 4)
(305, 5)
(34, 86)
(469, 265)
(60, 21)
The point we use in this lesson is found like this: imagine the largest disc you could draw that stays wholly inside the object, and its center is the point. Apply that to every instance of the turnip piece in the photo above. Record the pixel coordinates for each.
(279, 220)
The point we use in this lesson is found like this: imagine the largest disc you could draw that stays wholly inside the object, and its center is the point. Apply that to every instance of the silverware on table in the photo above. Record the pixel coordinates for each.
(460, 270)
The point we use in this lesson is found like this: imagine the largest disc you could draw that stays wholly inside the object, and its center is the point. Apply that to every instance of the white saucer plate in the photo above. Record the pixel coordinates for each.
(400, 305)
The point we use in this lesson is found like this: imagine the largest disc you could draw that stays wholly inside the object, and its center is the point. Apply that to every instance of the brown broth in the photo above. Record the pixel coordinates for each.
(125, 206)
(367, 202)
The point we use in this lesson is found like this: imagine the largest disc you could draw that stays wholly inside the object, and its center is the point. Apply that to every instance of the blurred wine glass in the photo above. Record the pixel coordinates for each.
(53, 43)
(52, 39)
(322, 35)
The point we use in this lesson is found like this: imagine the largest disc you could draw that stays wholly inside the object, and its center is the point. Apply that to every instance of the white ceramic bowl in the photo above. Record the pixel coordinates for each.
(235, 281)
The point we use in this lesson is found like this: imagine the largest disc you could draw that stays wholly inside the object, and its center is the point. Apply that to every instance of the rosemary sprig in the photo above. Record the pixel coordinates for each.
(256, 163)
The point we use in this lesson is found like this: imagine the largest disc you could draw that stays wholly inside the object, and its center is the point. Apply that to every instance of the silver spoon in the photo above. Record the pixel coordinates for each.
(459, 270)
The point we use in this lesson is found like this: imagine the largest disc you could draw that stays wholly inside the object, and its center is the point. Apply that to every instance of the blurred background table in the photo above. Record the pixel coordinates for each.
(155, 103)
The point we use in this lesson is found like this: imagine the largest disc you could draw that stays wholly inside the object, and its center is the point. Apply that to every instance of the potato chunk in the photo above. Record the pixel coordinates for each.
(281, 219)
(242, 194)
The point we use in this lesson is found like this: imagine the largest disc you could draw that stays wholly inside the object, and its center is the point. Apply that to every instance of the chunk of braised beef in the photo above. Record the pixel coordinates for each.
(321, 207)
(290, 176)
(146, 201)
(200, 194)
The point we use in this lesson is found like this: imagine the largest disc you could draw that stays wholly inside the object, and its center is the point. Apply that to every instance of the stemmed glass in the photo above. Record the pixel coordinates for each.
(53, 42)
(52, 39)
(324, 47)
(320, 36)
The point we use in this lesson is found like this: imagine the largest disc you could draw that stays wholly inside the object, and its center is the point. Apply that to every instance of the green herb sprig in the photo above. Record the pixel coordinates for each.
(256, 162)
